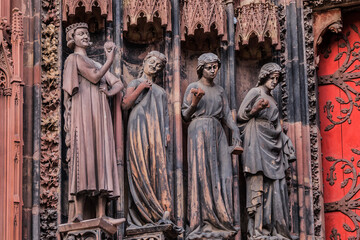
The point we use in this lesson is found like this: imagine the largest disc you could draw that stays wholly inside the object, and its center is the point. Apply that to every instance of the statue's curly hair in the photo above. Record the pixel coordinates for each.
(265, 72)
(204, 59)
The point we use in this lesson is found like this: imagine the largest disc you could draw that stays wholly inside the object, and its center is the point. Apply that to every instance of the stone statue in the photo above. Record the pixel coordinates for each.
(210, 173)
(149, 168)
(266, 156)
(90, 138)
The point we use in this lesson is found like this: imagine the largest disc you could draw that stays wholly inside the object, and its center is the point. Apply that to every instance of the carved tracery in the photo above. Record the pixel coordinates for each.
(259, 19)
(69, 7)
(204, 14)
(150, 9)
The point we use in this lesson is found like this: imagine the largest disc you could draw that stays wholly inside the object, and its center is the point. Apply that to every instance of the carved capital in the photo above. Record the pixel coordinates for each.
(7, 92)
(259, 19)
(204, 14)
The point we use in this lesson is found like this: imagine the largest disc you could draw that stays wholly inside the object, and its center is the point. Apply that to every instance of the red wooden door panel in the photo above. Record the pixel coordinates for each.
(339, 107)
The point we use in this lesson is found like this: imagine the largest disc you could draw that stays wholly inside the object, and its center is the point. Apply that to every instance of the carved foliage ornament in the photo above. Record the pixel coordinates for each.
(69, 7)
(350, 55)
(149, 9)
(259, 19)
(6, 60)
(203, 14)
(349, 204)
(319, 3)
(50, 119)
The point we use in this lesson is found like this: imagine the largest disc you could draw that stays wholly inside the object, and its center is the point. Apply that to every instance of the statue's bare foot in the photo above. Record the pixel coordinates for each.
(77, 218)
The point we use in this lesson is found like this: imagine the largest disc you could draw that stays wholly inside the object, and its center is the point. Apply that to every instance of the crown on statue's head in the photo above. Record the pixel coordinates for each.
(75, 26)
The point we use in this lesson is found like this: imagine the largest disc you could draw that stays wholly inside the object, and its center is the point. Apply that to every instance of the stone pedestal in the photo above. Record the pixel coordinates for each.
(92, 229)
(161, 232)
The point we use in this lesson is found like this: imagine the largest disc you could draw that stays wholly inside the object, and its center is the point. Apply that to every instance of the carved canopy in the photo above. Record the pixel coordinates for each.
(203, 14)
(149, 9)
(259, 19)
(69, 7)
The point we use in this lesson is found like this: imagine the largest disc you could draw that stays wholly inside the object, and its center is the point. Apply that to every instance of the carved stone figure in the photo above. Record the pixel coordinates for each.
(210, 174)
(90, 137)
(148, 136)
(266, 156)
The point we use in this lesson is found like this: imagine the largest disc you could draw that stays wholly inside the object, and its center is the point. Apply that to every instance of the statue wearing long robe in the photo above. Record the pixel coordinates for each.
(88, 123)
(267, 151)
(148, 165)
(210, 172)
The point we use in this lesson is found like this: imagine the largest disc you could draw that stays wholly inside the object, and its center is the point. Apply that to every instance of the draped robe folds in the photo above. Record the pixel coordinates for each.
(210, 173)
(149, 168)
(90, 136)
(267, 151)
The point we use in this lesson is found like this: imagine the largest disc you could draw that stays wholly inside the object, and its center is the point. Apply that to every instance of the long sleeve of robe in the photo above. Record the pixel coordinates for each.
(91, 153)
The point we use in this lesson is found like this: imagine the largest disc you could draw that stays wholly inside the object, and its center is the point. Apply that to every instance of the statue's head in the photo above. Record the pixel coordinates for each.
(208, 60)
(77, 34)
(267, 71)
(154, 63)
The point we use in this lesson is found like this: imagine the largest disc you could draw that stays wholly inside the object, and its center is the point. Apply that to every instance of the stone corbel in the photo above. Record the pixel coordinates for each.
(329, 20)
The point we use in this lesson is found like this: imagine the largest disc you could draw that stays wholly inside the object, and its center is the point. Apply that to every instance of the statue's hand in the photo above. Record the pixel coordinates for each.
(260, 105)
(197, 95)
(104, 89)
(110, 50)
(236, 140)
(145, 85)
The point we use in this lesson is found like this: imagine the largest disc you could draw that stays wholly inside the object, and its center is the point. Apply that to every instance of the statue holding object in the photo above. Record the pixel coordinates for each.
(210, 207)
(266, 156)
(88, 124)
(148, 165)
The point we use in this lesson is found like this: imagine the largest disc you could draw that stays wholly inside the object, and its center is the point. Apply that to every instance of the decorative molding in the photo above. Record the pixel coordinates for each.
(147, 236)
(259, 19)
(6, 59)
(149, 9)
(11, 62)
(319, 3)
(69, 7)
(323, 21)
(50, 119)
(282, 57)
(349, 203)
(94, 229)
(17, 26)
(3, 80)
(315, 144)
(203, 14)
